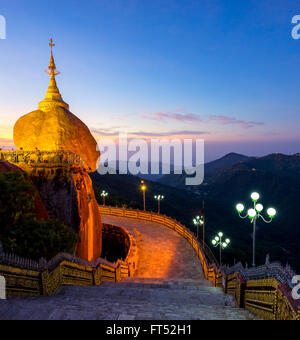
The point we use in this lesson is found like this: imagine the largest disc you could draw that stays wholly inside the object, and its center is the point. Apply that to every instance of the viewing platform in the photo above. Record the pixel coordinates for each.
(41, 158)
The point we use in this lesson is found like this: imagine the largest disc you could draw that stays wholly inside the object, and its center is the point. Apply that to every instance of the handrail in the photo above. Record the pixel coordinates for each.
(203, 254)
(64, 269)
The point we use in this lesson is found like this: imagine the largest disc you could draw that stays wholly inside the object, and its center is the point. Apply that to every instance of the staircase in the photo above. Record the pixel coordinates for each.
(131, 299)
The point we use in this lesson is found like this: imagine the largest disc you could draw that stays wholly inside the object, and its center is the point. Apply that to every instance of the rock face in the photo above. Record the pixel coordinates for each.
(89, 246)
(69, 196)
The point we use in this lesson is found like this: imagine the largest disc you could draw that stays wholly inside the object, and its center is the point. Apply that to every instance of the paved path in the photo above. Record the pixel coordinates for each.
(127, 301)
(170, 285)
(163, 253)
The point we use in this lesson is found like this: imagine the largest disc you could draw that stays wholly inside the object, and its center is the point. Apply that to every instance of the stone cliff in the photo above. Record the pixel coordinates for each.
(90, 230)
(69, 196)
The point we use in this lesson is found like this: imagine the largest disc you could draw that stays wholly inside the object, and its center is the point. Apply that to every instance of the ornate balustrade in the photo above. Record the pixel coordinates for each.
(264, 290)
(206, 257)
(29, 278)
(41, 157)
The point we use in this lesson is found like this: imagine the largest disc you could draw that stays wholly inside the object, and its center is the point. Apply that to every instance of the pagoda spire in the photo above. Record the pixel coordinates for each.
(53, 96)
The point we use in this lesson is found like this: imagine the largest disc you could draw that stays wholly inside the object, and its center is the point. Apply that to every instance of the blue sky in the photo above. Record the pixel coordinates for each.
(225, 71)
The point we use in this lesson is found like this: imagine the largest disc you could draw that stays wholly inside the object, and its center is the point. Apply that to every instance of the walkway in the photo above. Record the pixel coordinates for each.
(163, 253)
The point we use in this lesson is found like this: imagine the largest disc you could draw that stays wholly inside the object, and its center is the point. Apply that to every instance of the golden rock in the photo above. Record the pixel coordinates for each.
(54, 128)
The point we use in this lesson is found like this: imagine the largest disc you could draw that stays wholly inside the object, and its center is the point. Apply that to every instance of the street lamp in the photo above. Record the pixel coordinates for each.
(144, 188)
(254, 214)
(218, 241)
(159, 198)
(104, 194)
(199, 221)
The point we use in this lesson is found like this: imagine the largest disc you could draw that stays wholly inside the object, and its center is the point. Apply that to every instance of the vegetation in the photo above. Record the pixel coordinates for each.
(20, 231)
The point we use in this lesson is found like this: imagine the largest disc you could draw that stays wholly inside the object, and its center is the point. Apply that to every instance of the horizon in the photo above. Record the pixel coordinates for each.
(161, 70)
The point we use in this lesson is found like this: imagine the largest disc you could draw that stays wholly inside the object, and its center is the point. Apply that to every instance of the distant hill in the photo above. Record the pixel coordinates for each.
(210, 169)
(229, 181)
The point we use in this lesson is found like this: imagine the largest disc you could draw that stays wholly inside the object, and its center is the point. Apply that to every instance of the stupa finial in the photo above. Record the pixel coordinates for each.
(53, 96)
(51, 44)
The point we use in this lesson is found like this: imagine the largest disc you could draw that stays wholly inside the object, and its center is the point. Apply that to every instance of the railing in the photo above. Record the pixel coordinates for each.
(41, 157)
(265, 290)
(269, 298)
(203, 254)
(28, 278)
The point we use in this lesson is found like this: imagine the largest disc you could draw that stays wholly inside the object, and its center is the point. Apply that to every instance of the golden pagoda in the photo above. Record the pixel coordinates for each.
(54, 128)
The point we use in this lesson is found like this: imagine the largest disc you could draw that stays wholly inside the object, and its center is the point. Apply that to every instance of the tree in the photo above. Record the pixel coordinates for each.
(20, 231)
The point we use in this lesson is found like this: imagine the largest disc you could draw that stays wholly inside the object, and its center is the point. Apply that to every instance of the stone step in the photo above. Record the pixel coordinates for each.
(130, 293)
(59, 308)
(126, 301)
(168, 282)
(166, 286)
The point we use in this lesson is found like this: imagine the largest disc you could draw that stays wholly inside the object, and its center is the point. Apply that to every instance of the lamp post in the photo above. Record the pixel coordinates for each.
(199, 221)
(254, 214)
(104, 194)
(144, 188)
(218, 241)
(159, 198)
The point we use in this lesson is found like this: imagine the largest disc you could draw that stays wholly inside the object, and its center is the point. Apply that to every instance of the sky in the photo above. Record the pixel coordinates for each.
(223, 71)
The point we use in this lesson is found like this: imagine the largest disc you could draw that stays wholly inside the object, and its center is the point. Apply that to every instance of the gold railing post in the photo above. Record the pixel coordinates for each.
(275, 305)
(44, 282)
(224, 282)
(97, 276)
(118, 274)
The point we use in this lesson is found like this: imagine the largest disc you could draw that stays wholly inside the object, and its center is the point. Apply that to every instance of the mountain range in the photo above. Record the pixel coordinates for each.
(228, 181)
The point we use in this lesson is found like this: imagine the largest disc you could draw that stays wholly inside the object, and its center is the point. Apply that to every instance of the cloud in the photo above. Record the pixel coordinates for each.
(113, 133)
(169, 133)
(224, 120)
(194, 118)
(179, 117)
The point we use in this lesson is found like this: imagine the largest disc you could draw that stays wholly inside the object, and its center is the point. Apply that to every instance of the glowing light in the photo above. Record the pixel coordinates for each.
(240, 207)
(104, 194)
(214, 242)
(227, 241)
(255, 196)
(252, 213)
(271, 212)
(220, 234)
